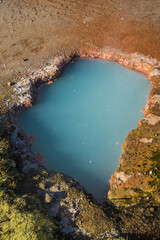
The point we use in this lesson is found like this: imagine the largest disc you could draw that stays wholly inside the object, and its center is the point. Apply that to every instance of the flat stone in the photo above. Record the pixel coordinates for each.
(146, 140)
(151, 119)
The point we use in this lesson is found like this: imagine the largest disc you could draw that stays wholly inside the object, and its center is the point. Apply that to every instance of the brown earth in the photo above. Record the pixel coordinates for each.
(36, 30)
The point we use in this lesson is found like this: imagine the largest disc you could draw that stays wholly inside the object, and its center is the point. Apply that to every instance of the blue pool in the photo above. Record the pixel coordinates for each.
(82, 119)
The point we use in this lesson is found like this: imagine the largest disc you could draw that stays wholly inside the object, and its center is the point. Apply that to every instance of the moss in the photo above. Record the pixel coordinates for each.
(116, 238)
(155, 171)
(95, 222)
(142, 219)
(18, 224)
(9, 176)
(21, 216)
(89, 216)
(139, 159)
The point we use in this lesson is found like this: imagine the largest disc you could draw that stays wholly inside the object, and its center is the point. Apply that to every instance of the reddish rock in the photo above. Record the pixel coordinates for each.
(40, 157)
(122, 58)
(32, 138)
(150, 120)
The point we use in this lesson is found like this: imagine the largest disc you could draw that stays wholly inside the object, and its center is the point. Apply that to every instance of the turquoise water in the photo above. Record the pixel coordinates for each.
(81, 120)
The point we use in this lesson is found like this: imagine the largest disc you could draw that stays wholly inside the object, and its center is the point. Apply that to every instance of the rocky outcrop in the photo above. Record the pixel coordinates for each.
(138, 174)
(133, 61)
(25, 91)
(79, 216)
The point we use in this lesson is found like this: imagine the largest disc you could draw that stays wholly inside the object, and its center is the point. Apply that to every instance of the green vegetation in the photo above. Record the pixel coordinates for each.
(21, 216)
(17, 223)
(140, 162)
(155, 171)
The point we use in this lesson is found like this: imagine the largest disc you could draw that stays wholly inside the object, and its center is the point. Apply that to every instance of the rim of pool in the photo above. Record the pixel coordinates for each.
(97, 184)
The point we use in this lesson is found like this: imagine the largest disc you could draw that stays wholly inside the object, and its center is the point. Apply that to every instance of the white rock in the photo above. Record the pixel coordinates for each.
(146, 140)
(151, 119)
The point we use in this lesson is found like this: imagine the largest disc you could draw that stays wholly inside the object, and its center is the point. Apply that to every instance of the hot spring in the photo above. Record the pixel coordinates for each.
(82, 119)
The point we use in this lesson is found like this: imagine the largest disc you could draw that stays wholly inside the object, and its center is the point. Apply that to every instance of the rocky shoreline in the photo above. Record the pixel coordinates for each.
(136, 179)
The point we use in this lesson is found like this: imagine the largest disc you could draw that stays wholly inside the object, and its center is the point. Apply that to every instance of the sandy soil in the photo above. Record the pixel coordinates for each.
(37, 30)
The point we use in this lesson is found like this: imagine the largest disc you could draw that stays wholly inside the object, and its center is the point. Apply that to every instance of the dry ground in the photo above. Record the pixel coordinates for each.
(38, 30)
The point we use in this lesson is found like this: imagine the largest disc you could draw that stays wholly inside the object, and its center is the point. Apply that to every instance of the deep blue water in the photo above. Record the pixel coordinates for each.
(81, 120)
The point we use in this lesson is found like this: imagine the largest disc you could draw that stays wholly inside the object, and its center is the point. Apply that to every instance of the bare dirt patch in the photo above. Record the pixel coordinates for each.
(37, 30)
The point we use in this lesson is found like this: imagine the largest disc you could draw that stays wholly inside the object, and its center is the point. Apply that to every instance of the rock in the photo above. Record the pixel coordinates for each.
(137, 176)
(32, 138)
(78, 215)
(155, 72)
(132, 61)
(146, 140)
(48, 198)
(40, 157)
(11, 83)
(153, 105)
(87, 19)
(151, 119)
(152, 209)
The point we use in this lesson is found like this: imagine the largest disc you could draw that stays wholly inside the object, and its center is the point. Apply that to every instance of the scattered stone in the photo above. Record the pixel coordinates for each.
(87, 19)
(25, 59)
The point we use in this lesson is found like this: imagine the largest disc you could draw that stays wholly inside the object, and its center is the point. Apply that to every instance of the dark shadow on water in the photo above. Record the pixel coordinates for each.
(49, 142)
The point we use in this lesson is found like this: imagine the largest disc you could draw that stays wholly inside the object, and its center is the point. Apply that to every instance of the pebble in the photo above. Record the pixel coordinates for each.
(11, 83)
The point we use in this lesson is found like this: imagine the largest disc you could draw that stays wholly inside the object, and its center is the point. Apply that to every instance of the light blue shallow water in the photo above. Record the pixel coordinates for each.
(79, 119)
